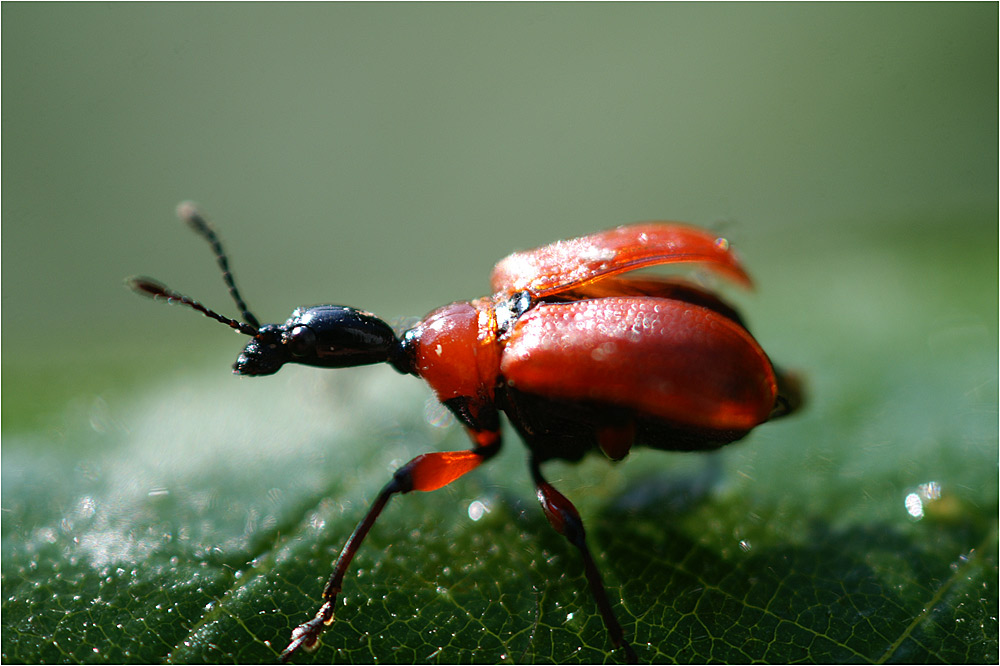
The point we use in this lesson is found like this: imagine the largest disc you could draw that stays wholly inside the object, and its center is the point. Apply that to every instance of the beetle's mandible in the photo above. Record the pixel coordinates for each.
(577, 354)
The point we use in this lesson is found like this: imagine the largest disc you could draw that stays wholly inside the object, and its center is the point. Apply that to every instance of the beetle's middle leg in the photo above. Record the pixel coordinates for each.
(564, 517)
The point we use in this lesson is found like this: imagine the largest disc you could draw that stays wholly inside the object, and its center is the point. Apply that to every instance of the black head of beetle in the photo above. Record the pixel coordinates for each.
(325, 336)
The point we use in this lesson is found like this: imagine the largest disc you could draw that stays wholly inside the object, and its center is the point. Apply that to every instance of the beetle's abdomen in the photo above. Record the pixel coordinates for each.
(667, 359)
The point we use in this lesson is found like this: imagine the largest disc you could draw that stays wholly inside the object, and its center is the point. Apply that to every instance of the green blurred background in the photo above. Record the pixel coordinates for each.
(386, 155)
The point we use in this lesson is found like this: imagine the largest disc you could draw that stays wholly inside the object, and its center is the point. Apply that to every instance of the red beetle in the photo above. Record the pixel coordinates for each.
(577, 355)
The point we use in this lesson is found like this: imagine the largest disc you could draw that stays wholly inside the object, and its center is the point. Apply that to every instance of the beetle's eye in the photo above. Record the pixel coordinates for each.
(301, 341)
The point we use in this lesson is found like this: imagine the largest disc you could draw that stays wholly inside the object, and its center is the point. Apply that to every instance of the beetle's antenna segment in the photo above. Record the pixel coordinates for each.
(188, 211)
(154, 289)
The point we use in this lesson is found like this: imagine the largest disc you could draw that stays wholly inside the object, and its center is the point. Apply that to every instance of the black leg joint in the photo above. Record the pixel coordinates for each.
(573, 530)
(401, 483)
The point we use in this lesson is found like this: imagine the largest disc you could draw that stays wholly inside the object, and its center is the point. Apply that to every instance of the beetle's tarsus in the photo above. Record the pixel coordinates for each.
(306, 635)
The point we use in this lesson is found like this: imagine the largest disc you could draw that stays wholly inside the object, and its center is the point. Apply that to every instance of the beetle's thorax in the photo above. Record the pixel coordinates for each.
(456, 351)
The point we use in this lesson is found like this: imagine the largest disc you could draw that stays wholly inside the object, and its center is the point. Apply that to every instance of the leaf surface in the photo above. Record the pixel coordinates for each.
(197, 521)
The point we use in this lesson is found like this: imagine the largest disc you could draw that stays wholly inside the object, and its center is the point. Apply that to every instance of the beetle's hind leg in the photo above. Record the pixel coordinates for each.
(564, 517)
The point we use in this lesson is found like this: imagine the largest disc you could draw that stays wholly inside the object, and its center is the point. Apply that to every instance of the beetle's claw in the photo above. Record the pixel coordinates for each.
(306, 635)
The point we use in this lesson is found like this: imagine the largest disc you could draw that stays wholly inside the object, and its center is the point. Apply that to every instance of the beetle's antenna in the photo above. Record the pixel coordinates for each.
(154, 289)
(188, 211)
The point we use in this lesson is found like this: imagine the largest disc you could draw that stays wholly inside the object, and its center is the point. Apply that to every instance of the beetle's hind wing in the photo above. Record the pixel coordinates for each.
(569, 264)
(650, 285)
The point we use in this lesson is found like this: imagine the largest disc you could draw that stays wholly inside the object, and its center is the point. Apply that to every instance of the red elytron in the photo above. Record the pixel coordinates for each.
(576, 354)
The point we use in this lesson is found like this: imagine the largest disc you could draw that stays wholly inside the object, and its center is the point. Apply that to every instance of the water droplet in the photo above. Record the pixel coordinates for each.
(914, 506)
(930, 491)
(477, 509)
(86, 507)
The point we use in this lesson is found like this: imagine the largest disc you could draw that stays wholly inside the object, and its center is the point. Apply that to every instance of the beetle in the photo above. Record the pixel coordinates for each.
(577, 354)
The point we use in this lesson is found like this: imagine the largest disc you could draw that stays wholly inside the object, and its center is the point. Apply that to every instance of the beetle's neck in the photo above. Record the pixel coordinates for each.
(402, 354)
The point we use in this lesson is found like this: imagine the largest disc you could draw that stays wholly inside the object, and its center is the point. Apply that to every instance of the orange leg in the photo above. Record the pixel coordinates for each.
(566, 520)
(426, 472)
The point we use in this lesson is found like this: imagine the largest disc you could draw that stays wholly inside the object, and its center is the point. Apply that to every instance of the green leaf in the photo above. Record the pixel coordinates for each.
(197, 521)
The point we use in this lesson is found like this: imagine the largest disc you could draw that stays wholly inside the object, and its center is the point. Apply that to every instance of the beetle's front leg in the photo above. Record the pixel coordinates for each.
(564, 517)
(426, 472)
